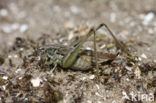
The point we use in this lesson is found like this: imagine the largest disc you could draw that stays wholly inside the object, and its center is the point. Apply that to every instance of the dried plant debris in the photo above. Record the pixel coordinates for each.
(51, 95)
(31, 81)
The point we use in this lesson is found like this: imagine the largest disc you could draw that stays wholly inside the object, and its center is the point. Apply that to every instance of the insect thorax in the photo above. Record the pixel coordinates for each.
(50, 56)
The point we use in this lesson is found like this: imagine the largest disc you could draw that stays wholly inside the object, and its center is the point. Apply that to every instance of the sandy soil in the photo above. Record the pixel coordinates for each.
(27, 24)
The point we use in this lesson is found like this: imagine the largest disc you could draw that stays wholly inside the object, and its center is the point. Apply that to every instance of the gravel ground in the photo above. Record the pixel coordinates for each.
(25, 24)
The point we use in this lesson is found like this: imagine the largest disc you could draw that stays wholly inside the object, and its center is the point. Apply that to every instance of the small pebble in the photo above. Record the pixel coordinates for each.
(9, 56)
(148, 18)
(61, 40)
(23, 28)
(127, 79)
(144, 56)
(98, 94)
(92, 77)
(15, 56)
(36, 82)
(4, 87)
(103, 46)
(139, 59)
(20, 78)
(3, 12)
(129, 68)
(5, 77)
(88, 48)
(18, 70)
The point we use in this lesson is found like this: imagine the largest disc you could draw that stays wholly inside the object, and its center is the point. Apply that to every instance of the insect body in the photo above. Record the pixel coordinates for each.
(52, 55)
(73, 57)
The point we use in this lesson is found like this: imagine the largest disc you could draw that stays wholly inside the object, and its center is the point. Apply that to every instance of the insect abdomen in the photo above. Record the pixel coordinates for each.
(82, 63)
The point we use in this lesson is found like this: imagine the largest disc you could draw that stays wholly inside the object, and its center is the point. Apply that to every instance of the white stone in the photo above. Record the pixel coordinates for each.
(23, 28)
(3, 12)
(4, 87)
(103, 46)
(92, 77)
(9, 56)
(88, 48)
(127, 79)
(15, 56)
(144, 56)
(128, 68)
(148, 18)
(20, 78)
(124, 93)
(139, 59)
(98, 94)
(36, 82)
(18, 70)
(5, 77)
(21, 49)
(61, 39)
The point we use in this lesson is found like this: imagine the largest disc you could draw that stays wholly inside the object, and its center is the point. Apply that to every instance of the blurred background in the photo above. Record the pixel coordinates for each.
(129, 20)
(26, 23)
